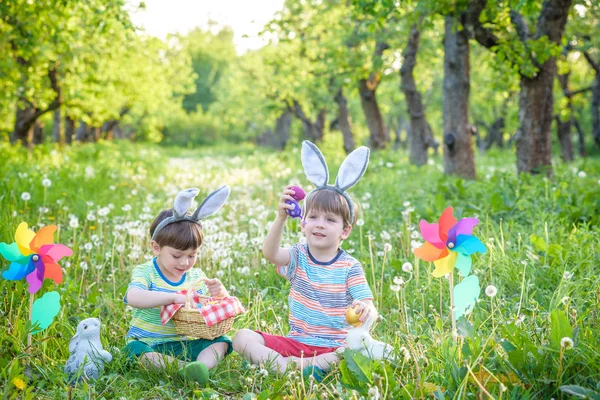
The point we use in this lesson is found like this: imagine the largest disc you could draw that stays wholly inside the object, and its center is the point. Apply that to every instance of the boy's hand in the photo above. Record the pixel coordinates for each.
(216, 288)
(179, 299)
(283, 206)
(365, 310)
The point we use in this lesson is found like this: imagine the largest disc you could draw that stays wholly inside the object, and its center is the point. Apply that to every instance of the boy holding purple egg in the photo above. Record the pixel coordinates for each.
(324, 279)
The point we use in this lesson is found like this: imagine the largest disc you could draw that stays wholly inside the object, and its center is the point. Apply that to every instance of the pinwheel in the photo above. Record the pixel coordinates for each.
(34, 256)
(449, 244)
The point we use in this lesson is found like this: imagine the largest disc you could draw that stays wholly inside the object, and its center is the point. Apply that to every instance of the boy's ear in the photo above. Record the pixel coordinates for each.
(346, 232)
(155, 248)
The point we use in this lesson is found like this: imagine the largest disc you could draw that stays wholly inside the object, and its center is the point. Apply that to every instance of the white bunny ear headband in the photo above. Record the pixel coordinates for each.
(351, 170)
(183, 202)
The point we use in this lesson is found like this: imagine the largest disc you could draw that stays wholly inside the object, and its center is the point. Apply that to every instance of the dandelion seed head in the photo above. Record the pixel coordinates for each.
(566, 343)
(491, 291)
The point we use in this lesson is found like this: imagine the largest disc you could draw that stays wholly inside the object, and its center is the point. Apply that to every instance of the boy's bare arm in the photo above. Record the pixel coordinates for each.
(140, 298)
(272, 249)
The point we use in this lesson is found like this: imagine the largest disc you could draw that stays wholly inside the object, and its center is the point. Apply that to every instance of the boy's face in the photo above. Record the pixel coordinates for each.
(324, 230)
(174, 262)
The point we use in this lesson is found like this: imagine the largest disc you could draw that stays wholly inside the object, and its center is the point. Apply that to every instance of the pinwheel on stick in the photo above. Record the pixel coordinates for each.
(449, 244)
(35, 257)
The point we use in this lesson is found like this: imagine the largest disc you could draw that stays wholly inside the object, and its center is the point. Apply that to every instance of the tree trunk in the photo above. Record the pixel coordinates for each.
(596, 110)
(368, 101)
(398, 141)
(421, 136)
(23, 129)
(533, 141)
(563, 128)
(312, 130)
(69, 129)
(536, 102)
(95, 133)
(38, 132)
(109, 126)
(26, 117)
(82, 132)
(345, 122)
(580, 138)
(318, 127)
(282, 129)
(458, 149)
(496, 132)
(57, 136)
(595, 99)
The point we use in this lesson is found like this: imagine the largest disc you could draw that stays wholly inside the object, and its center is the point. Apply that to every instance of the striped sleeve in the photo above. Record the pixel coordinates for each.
(357, 283)
(287, 271)
(140, 279)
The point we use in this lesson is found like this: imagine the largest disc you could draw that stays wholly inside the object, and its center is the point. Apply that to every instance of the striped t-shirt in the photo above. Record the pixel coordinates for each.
(146, 324)
(319, 295)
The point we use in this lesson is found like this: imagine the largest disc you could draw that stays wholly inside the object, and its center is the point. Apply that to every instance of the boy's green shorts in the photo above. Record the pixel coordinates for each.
(185, 350)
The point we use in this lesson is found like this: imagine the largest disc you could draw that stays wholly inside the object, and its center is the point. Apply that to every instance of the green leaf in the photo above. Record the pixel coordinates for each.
(497, 202)
(559, 327)
(555, 250)
(359, 365)
(538, 242)
(500, 55)
(348, 377)
(580, 392)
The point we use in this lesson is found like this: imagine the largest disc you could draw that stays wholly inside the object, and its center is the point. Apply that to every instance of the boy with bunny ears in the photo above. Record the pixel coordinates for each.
(176, 239)
(324, 279)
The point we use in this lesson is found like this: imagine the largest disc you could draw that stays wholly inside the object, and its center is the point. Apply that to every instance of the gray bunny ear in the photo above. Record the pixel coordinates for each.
(353, 168)
(212, 203)
(314, 164)
(183, 201)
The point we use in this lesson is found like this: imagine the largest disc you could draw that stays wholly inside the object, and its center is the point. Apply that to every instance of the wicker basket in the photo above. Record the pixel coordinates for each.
(189, 322)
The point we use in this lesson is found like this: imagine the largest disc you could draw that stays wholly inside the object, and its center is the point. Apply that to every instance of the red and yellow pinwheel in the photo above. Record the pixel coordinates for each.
(449, 244)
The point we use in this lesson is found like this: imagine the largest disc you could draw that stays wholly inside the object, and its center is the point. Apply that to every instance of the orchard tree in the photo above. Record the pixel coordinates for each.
(40, 53)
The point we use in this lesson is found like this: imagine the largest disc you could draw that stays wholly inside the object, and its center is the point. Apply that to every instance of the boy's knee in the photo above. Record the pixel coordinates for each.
(242, 338)
(219, 348)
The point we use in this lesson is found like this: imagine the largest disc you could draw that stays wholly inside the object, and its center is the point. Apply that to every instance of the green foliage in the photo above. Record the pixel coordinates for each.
(211, 55)
(510, 342)
(103, 67)
(559, 328)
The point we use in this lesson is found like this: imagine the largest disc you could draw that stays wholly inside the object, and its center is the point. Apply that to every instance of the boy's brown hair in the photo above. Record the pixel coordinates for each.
(181, 235)
(330, 201)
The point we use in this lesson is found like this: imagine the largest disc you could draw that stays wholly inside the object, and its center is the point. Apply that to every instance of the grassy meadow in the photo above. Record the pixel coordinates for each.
(543, 256)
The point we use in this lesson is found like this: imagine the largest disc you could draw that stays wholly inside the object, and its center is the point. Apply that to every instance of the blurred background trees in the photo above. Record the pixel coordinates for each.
(453, 77)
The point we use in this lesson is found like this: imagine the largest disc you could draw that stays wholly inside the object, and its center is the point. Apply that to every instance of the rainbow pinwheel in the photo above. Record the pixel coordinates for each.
(34, 256)
(449, 244)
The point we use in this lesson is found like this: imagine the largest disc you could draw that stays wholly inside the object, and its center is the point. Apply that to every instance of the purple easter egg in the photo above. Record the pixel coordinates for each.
(296, 212)
(299, 193)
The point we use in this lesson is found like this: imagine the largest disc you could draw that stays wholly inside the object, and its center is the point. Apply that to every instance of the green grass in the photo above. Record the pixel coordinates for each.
(543, 257)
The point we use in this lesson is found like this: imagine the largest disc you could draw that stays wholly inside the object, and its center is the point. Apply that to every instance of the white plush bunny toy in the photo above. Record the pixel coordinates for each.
(86, 351)
(360, 339)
